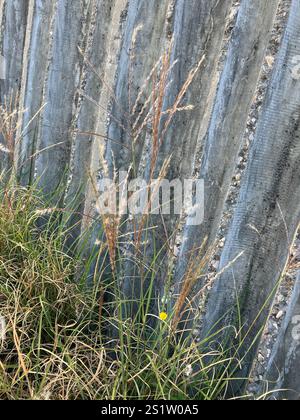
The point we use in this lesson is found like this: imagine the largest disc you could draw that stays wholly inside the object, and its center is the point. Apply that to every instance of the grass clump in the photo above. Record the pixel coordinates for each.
(54, 331)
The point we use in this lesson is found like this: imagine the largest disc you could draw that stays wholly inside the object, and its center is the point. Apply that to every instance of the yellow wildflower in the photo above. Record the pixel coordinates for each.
(163, 316)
